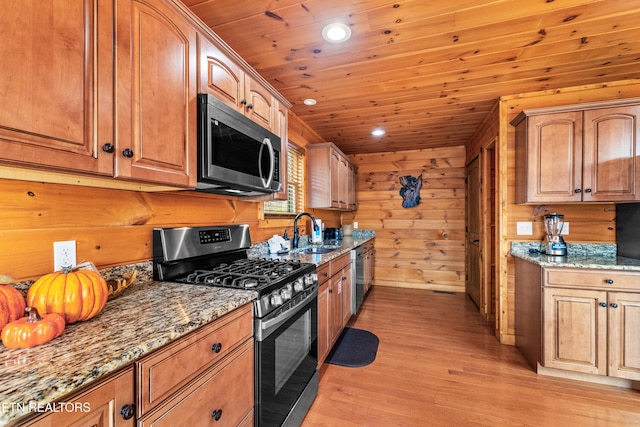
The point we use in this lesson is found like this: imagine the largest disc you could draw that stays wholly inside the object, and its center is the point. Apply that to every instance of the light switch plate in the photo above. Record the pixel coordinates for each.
(565, 229)
(524, 228)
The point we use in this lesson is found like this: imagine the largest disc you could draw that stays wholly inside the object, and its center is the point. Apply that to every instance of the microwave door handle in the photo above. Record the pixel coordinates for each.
(272, 156)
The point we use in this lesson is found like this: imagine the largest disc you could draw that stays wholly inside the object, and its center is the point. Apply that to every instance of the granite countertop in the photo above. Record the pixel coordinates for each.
(145, 317)
(594, 256)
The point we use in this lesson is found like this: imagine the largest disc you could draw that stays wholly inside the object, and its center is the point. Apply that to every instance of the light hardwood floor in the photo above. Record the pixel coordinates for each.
(439, 364)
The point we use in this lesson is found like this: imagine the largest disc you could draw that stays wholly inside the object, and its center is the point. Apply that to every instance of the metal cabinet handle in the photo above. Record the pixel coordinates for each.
(577, 190)
(128, 411)
(608, 282)
(250, 106)
(216, 414)
(108, 148)
(243, 102)
(588, 190)
(127, 152)
(216, 347)
(614, 305)
(603, 304)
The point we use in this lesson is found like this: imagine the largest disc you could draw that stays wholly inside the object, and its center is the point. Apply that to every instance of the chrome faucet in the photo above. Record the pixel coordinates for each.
(296, 233)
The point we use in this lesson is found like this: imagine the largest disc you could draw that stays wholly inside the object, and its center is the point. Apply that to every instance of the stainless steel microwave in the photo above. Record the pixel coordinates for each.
(236, 156)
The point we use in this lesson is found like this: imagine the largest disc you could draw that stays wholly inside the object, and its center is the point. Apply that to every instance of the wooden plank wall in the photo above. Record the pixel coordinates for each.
(420, 247)
(114, 227)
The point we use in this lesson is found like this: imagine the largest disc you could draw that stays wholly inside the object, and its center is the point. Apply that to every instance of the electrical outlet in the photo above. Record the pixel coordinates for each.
(524, 228)
(64, 254)
(355, 224)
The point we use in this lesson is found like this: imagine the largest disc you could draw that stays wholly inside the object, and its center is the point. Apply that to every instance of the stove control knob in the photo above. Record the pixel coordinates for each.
(299, 285)
(309, 279)
(286, 293)
(276, 299)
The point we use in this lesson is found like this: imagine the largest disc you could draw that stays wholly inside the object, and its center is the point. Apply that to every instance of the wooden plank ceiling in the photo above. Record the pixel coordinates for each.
(425, 71)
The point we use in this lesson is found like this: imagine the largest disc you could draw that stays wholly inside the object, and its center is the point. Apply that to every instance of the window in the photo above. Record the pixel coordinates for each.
(295, 185)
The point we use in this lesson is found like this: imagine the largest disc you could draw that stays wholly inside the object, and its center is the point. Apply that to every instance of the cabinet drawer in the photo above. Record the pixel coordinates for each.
(162, 373)
(341, 262)
(324, 272)
(226, 390)
(592, 279)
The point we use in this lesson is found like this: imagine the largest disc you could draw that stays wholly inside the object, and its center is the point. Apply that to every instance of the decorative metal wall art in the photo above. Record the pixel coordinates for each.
(410, 190)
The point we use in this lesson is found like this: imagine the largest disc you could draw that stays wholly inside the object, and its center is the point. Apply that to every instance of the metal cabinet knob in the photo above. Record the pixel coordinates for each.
(614, 305)
(128, 411)
(609, 282)
(588, 190)
(216, 414)
(577, 190)
(603, 304)
(217, 347)
(127, 152)
(108, 148)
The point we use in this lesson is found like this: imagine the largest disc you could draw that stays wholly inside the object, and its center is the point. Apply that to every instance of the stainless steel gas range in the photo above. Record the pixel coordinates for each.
(285, 312)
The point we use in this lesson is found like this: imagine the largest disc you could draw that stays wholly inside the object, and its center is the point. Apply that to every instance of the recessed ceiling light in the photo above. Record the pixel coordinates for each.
(309, 101)
(336, 33)
(378, 132)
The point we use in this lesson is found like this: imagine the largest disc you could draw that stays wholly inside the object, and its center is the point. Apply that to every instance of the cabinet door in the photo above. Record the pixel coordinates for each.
(624, 340)
(554, 158)
(324, 317)
(335, 305)
(575, 330)
(156, 93)
(100, 406)
(352, 191)
(610, 153)
(57, 84)
(335, 179)
(346, 295)
(219, 75)
(260, 104)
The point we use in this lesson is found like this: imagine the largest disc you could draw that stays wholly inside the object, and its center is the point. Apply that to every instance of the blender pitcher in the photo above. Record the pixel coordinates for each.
(554, 243)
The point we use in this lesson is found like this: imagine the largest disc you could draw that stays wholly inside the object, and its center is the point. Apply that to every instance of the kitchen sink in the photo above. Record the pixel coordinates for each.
(315, 250)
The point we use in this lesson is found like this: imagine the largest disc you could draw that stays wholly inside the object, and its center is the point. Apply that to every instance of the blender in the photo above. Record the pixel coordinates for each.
(554, 243)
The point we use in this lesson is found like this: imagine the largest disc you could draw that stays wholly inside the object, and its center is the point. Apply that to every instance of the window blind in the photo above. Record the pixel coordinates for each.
(295, 185)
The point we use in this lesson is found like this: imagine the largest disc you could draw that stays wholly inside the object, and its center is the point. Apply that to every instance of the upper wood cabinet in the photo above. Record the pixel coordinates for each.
(223, 78)
(155, 93)
(70, 111)
(57, 90)
(330, 178)
(585, 153)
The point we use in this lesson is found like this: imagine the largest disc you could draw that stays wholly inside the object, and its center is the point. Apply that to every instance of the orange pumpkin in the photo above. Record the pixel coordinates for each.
(33, 329)
(12, 304)
(77, 295)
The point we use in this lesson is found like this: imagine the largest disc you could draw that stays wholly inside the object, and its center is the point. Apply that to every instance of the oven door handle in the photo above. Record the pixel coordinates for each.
(267, 327)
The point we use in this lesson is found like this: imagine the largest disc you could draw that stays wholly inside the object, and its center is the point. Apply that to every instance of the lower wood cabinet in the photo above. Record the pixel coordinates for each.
(209, 372)
(222, 396)
(579, 320)
(108, 404)
(334, 302)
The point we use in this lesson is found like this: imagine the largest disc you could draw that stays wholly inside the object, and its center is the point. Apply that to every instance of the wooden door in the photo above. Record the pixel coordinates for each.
(575, 330)
(624, 339)
(554, 158)
(156, 95)
(472, 244)
(611, 170)
(57, 84)
(219, 75)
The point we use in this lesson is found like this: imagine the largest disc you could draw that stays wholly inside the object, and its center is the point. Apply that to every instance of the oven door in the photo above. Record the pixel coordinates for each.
(286, 361)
